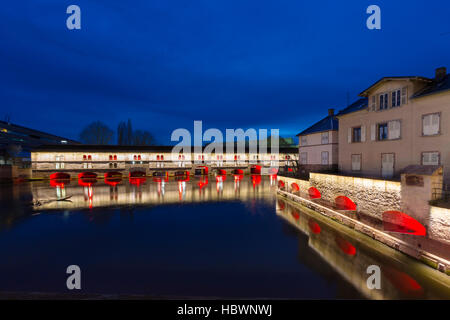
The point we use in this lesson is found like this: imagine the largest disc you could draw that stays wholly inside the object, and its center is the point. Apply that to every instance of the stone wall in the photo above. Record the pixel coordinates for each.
(439, 224)
(371, 196)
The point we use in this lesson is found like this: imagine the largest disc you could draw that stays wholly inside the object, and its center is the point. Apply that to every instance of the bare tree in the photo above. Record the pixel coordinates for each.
(142, 138)
(96, 133)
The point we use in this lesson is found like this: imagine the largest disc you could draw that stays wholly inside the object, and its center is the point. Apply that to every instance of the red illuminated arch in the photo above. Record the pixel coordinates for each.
(113, 181)
(238, 171)
(221, 171)
(314, 193)
(281, 184)
(89, 175)
(113, 174)
(273, 171)
(60, 175)
(344, 203)
(295, 187)
(397, 221)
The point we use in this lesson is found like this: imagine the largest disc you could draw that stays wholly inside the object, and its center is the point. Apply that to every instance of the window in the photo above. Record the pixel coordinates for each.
(356, 162)
(431, 124)
(382, 131)
(356, 136)
(324, 157)
(303, 157)
(304, 141)
(430, 158)
(396, 98)
(384, 101)
(325, 136)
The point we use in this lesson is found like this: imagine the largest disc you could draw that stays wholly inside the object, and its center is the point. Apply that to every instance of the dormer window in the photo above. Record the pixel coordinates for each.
(384, 101)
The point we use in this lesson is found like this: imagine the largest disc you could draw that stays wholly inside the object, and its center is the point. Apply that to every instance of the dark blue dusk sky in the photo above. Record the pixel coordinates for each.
(233, 64)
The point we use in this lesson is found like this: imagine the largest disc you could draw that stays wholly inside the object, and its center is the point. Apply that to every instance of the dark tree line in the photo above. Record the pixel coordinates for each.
(99, 133)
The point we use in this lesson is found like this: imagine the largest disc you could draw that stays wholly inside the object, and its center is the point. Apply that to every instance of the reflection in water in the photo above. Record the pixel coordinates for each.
(350, 256)
(141, 191)
(191, 236)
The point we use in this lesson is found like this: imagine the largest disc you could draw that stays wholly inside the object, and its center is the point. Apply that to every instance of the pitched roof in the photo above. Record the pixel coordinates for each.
(435, 87)
(365, 93)
(328, 123)
(360, 104)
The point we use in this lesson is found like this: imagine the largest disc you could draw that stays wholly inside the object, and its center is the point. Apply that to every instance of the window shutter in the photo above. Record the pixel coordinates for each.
(427, 125)
(349, 137)
(373, 132)
(404, 95)
(435, 123)
(394, 129)
(374, 103)
(363, 133)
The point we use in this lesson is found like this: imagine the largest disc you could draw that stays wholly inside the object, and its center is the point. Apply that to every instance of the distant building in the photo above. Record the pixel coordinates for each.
(16, 141)
(318, 146)
(406, 122)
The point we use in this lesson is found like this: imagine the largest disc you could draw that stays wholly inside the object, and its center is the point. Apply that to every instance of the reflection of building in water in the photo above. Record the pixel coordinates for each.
(147, 191)
(350, 256)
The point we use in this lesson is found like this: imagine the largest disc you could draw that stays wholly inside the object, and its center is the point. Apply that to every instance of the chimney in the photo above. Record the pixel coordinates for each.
(440, 74)
(330, 112)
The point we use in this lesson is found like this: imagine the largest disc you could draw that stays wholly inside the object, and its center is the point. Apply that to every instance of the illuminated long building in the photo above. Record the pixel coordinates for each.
(154, 160)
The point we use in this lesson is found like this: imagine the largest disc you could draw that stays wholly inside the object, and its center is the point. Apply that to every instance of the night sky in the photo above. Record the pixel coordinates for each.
(233, 64)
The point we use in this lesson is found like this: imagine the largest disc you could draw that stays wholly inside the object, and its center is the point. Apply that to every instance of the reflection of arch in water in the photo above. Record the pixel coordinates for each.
(59, 182)
(314, 226)
(281, 204)
(256, 180)
(403, 282)
(295, 214)
(344, 203)
(86, 182)
(345, 246)
(137, 181)
(397, 221)
(314, 193)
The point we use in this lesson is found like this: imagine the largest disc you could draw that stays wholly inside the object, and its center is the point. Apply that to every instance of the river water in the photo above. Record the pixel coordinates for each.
(224, 237)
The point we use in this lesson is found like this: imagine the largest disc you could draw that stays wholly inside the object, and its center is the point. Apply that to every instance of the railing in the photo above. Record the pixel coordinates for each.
(441, 191)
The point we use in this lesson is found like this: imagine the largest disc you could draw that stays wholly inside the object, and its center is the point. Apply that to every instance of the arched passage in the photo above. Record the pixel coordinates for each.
(314, 193)
(113, 175)
(60, 175)
(238, 171)
(397, 221)
(344, 203)
(88, 175)
(281, 184)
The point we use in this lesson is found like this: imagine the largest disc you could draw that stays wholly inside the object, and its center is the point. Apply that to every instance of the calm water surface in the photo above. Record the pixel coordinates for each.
(228, 237)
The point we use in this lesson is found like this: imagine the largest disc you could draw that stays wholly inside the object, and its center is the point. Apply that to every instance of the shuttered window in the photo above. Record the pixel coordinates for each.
(303, 157)
(373, 103)
(373, 132)
(431, 124)
(394, 129)
(404, 95)
(325, 137)
(325, 157)
(430, 158)
(304, 141)
(356, 162)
